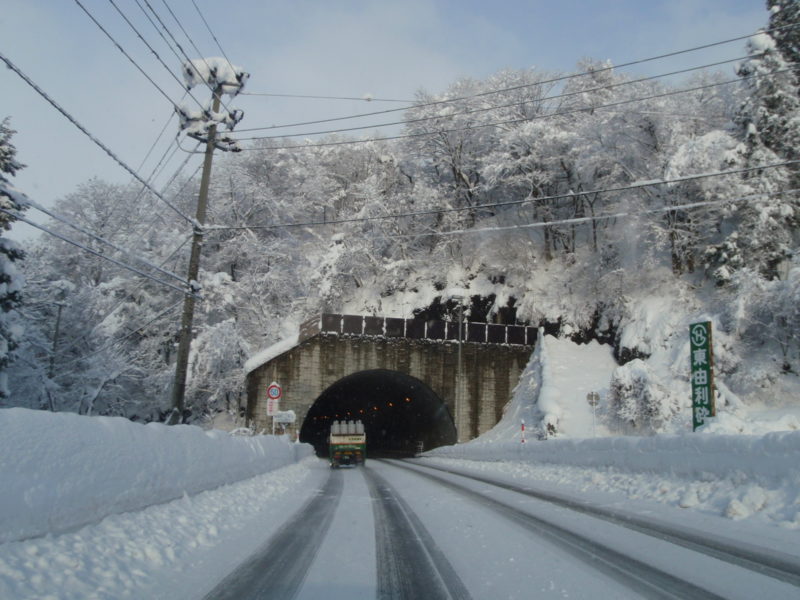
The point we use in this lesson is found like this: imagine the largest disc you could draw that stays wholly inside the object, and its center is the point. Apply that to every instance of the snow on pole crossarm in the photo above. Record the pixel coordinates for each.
(222, 78)
(60, 471)
(215, 72)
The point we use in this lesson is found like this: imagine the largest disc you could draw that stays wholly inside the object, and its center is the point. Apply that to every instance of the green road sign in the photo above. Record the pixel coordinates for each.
(702, 365)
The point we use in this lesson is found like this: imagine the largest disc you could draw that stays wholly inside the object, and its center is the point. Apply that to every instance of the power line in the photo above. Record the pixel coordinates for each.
(86, 132)
(188, 37)
(584, 220)
(100, 239)
(499, 123)
(155, 143)
(499, 106)
(168, 183)
(208, 27)
(128, 56)
(115, 205)
(122, 339)
(158, 31)
(496, 205)
(185, 33)
(543, 82)
(71, 344)
(20, 217)
(361, 98)
(146, 43)
(182, 51)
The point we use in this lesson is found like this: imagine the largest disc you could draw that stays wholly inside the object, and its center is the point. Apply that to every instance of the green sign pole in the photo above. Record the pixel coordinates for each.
(702, 365)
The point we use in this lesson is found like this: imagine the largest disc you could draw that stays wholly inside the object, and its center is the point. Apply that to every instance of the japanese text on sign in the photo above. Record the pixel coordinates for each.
(702, 366)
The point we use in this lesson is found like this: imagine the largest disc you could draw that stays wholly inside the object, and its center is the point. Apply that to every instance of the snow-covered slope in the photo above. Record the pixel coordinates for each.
(60, 471)
(716, 469)
(553, 389)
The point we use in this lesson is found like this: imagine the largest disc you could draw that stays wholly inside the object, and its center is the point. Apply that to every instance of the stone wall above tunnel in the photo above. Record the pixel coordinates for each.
(475, 398)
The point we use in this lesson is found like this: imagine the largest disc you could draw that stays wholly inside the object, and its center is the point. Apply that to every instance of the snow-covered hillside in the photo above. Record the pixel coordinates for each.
(603, 207)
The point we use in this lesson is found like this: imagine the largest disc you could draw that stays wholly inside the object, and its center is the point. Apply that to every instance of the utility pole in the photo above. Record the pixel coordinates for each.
(182, 361)
(52, 370)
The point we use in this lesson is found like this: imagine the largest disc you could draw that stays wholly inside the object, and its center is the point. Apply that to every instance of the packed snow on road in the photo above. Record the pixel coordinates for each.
(102, 507)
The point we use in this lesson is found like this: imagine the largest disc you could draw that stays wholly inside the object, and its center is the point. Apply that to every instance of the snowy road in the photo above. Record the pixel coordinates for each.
(401, 530)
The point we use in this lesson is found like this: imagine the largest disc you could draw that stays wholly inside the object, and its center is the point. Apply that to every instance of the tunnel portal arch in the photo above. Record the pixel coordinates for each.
(398, 411)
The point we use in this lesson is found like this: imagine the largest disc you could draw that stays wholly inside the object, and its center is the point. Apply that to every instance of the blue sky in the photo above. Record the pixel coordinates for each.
(316, 47)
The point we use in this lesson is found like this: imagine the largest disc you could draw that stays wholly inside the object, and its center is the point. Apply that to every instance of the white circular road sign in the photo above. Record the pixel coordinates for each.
(274, 391)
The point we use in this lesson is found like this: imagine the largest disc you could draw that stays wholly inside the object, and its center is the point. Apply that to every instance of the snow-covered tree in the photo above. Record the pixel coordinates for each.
(637, 401)
(769, 125)
(11, 281)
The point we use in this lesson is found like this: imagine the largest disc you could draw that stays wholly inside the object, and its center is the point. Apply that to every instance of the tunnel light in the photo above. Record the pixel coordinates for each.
(390, 404)
(408, 399)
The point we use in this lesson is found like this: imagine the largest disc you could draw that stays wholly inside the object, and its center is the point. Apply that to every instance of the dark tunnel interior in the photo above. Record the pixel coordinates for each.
(398, 412)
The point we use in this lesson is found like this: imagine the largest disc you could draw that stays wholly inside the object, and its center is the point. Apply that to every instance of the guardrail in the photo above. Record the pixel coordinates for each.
(417, 329)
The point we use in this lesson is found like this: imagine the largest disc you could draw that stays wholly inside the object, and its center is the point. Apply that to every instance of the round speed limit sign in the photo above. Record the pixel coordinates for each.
(274, 391)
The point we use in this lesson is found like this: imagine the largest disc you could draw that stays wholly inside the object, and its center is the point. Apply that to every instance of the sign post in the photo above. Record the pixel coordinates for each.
(593, 398)
(702, 365)
(274, 393)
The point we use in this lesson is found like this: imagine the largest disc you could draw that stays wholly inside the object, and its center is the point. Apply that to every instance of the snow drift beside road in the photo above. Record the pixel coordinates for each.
(60, 471)
(768, 459)
(715, 470)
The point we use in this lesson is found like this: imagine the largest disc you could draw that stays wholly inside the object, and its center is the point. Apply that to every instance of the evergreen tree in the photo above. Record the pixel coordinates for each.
(769, 126)
(783, 18)
(10, 280)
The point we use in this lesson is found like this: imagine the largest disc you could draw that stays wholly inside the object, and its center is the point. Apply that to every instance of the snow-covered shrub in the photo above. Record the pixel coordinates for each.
(638, 401)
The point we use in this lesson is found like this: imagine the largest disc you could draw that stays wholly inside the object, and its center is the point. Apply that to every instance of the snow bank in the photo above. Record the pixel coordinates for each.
(60, 471)
(767, 459)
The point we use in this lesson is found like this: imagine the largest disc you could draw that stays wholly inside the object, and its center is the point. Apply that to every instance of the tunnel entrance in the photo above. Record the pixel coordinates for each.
(398, 412)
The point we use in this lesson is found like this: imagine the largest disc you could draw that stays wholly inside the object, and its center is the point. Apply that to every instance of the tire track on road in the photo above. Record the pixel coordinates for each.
(765, 561)
(278, 569)
(410, 563)
(638, 576)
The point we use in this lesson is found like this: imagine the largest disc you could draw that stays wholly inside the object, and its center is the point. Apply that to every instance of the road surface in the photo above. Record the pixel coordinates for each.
(402, 530)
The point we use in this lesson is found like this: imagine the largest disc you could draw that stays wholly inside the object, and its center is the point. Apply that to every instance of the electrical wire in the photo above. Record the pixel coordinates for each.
(101, 240)
(20, 217)
(158, 31)
(178, 193)
(128, 56)
(499, 123)
(543, 82)
(86, 132)
(584, 220)
(208, 27)
(499, 106)
(160, 60)
(117, 341)
(361, 98)
(188, 37)
(439, 211)
(113, 209)
(71, 344)
(183, 52)
(155, 143)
